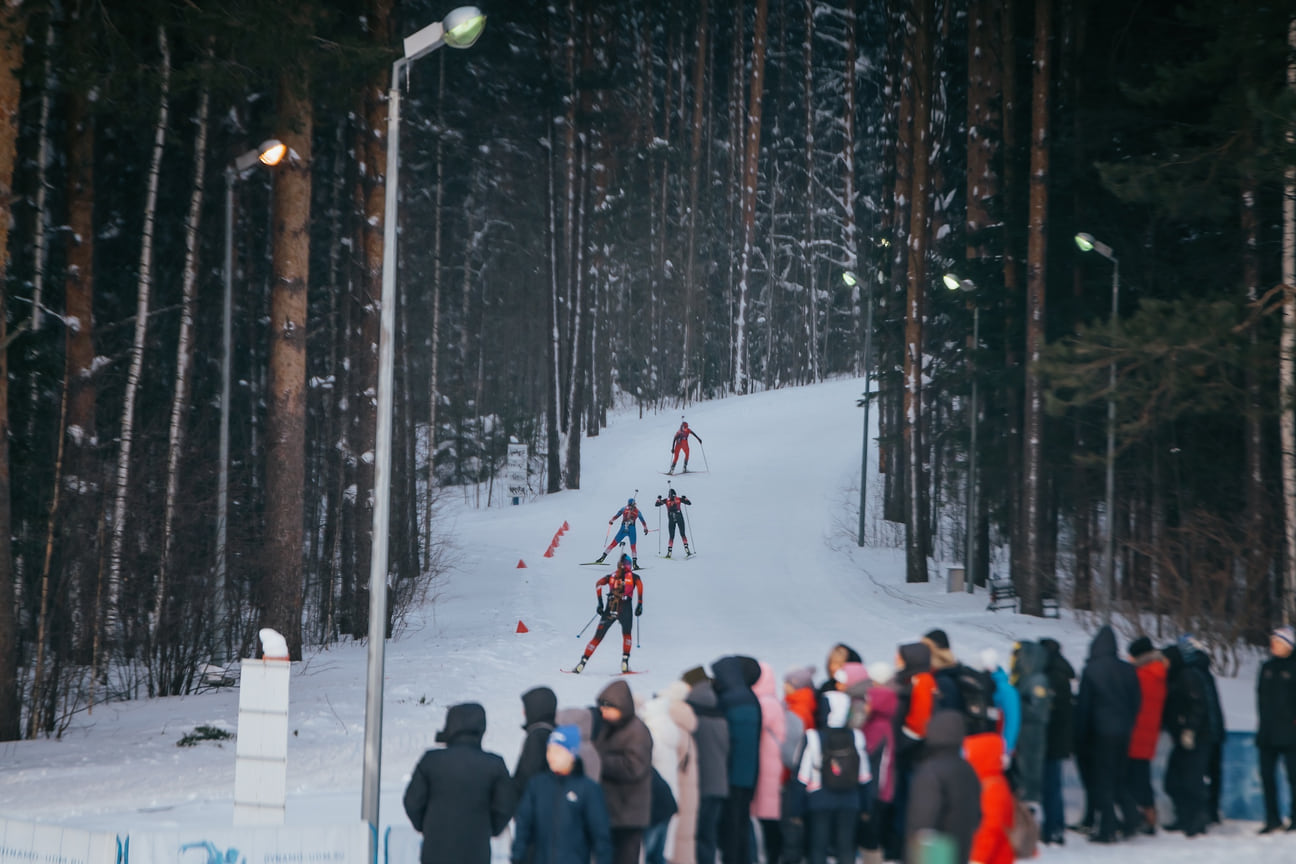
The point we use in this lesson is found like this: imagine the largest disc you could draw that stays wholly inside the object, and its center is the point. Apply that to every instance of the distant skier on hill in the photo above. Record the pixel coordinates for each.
(680, 443)
(628, 514)
(621, 584)
(675, 518)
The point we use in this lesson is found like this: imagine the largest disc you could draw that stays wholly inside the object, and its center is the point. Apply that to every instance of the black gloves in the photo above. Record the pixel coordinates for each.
(599, 610)
(639, 608)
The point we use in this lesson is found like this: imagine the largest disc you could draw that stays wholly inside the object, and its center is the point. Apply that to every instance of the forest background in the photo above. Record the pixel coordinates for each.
(611, 202)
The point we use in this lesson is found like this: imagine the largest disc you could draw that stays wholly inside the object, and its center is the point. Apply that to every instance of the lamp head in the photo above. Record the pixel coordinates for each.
(463, 26)
(1085, 242)
(954, 283)
(850, 279)
(272, 151)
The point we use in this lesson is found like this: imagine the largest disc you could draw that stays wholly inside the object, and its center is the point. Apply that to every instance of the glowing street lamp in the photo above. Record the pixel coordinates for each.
(1086, 243)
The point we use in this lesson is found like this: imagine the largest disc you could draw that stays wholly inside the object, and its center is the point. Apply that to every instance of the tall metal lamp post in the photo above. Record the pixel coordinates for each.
(851, 280)
(270, 153)
(954, 283)
(1086, 243)
(460, 29)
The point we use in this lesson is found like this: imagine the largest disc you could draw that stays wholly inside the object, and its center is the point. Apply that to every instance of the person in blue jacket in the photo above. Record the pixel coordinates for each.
(734, 677)
(627, 514)
(562, 818)
(1006, 700)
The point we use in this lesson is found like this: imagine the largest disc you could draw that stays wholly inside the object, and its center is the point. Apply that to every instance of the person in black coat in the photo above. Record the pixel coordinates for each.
(1276, 734)
(624, 746)
(945, 793)
(539, 705)
(1190, 719)
(1058, 739)
(734, 677)
(1105, 712)
(562, 818)
(459, 796)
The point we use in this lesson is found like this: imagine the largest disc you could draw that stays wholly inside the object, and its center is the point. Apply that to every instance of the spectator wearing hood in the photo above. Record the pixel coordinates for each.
(734, 677)
(945, 795)
(833, 814)
(990, 845)
(1276, 734)
(916, 691)
(1191, 720)
(459, 796)
(766, 804)
(587, 720)
(625, 749)
(1036, 698)
(539, 707)
(945, 669)
(712, 739)
(1152, 668)
(1060, 739)
(1104, 718)
(562, 818)
(686, 772)
(879, 737)
(840, 653)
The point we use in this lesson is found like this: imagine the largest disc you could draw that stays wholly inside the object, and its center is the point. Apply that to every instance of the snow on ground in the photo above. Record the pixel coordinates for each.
(778, 576)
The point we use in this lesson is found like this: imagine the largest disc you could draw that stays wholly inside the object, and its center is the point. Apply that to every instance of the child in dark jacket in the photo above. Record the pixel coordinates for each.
(562, 818)
(832, 812)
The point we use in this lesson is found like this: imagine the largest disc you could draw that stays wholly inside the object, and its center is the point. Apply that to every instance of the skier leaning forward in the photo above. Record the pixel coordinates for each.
(628, 514)
(674, 519)
(621, 584)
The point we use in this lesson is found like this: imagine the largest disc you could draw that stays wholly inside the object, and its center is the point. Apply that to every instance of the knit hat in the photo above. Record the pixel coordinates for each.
(800, 677)
(851, 674)
(881, 671)
(990, 659)
(695, 676)
(1140, 646)
(938, 638)
(567, 737)
(1285, 634)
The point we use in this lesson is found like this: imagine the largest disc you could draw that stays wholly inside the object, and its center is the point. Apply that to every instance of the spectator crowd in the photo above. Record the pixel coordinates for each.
(876, 762)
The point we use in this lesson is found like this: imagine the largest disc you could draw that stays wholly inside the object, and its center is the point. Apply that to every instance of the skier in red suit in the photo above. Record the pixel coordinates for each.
(621, 584)
(680, 445)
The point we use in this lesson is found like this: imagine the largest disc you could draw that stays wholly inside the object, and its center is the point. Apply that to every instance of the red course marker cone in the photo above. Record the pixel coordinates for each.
(566, 527)
(549, 551)
(521, 565)
(522, 628)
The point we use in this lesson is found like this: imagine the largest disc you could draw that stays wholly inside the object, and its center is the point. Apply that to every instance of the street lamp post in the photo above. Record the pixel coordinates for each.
(1086, 243)
(460, 29)
(271, 153)
(851, 281)
(954, 283)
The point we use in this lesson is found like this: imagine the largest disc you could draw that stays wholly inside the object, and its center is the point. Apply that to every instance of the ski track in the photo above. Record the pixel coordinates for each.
(779, 576)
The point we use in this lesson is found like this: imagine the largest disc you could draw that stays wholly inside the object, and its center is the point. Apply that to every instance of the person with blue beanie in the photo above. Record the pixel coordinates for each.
(562, 818)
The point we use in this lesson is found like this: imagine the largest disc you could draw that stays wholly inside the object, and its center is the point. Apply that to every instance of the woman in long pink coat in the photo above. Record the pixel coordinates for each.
(767, 802)
(684, 844)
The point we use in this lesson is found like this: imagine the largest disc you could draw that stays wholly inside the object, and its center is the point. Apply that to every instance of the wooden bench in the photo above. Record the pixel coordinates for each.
(1050, 607)
(1003, 595)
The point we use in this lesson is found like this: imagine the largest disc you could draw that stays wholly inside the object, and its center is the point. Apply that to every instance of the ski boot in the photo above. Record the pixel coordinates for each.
(634, 564)
(601, 558)
(668, 551)
(688, 553)
(579, 666)
(685, 466)
(625, 662)
(670, 470)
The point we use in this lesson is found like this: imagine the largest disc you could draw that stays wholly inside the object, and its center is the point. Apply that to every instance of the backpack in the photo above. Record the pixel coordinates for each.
(977, 687)
(840, 766)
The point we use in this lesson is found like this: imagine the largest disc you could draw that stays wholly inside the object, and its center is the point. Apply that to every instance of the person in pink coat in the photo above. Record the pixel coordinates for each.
(878, 836)
(767, 801)
(684, 844)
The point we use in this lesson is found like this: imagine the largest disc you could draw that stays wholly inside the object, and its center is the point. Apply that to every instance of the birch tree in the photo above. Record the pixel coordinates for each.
(750, 179)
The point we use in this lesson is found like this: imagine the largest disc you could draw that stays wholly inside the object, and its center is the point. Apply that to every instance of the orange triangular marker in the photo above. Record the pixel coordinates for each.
(522, 628)
(566, 527)
(549, 552)
(521, 565)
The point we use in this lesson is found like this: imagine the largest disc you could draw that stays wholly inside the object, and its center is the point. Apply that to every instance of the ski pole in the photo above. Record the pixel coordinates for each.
(658, 530)
(638, 630)
(702, 447)
(688, 521)
(586, 627)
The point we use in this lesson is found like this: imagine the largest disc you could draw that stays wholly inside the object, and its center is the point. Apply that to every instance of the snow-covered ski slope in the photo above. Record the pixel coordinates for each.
(779, 576)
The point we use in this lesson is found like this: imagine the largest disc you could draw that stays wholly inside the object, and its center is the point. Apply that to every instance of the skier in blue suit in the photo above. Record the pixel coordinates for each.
(627, 514)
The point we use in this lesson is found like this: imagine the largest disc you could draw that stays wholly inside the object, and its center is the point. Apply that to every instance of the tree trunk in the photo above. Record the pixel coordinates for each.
(184, 367)
(113, 623)
(811, 311)
(916, 538)
(751, 178)
(553, 469)
(1256, 493)
(688, 384)
(983, 131)
(1287, 357)
(281, 595)
(12, 28)
(1036, 270)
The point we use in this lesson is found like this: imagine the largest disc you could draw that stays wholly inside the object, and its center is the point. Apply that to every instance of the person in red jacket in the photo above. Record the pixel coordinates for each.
(621, 584)
(1152, 667)
(990, 844)
(679, 444)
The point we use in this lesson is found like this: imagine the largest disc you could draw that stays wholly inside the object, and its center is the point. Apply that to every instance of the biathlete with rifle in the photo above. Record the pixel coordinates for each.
(621, 584)
(628, 514)
(679, 444)
(675, 518)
